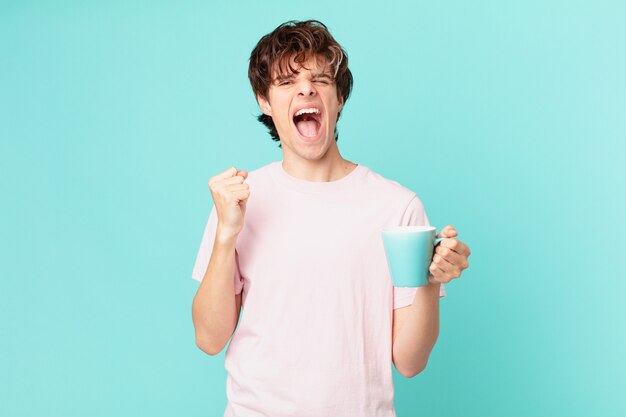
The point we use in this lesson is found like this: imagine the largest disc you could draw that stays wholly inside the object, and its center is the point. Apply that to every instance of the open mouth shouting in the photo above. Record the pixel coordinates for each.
(307, 120)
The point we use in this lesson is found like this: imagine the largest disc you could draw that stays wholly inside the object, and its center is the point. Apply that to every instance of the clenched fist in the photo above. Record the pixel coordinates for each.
(230, 196)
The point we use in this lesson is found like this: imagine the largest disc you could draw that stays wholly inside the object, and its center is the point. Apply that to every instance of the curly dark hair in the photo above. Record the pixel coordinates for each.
(301, 40)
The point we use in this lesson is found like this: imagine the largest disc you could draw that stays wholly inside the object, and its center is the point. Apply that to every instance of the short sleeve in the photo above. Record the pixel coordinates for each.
(414, 215)
(206, 249)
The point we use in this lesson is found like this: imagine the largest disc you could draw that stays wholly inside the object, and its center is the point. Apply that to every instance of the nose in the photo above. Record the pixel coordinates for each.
(306, 88)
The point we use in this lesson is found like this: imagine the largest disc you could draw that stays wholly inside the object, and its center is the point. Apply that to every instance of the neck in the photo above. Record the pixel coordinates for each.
(331, 167)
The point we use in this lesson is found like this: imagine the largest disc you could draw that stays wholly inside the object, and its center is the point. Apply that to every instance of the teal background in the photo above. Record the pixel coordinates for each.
(114, 115)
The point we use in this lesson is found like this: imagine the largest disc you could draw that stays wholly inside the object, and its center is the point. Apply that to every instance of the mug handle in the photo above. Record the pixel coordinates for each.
(437, 240)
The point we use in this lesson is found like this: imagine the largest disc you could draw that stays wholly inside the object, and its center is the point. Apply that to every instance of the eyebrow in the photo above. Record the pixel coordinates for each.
(281, 77)
(322, 75)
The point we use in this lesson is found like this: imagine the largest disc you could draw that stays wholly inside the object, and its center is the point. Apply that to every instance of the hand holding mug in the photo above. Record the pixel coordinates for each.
(450, 257)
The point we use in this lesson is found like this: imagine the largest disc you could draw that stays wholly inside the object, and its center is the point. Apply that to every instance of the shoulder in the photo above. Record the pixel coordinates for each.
(389, 188)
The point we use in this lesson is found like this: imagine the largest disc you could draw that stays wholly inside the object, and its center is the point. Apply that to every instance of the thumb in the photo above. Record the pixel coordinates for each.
(448, 231)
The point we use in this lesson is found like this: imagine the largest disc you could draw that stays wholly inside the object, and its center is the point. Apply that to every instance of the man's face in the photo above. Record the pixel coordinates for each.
(309, 134)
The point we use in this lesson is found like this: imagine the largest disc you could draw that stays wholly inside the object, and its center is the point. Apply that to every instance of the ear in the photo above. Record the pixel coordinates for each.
(340, 103)
(264, 105)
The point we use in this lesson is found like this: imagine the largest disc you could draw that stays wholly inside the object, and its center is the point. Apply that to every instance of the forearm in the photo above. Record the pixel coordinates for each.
(214, 308)
(416, 338)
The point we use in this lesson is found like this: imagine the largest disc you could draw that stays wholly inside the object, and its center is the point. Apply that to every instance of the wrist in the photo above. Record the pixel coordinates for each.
(432, 286)
(225, 235)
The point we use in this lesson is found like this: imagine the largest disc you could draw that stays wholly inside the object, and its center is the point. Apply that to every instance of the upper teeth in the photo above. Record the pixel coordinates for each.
(309, 110)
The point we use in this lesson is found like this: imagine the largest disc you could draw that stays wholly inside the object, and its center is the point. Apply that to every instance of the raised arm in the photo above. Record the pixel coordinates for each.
(216, 308)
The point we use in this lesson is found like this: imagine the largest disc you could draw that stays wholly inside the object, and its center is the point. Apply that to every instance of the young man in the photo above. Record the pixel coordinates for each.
(321, 321)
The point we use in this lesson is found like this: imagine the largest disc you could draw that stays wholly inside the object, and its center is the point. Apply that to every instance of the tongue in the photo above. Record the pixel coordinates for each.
(308, 127)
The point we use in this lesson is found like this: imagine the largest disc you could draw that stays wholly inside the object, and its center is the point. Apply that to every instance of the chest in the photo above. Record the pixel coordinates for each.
(313, 245)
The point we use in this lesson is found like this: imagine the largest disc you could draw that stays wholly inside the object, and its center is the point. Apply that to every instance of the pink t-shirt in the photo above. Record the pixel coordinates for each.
(314, 335)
